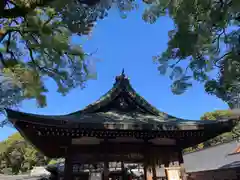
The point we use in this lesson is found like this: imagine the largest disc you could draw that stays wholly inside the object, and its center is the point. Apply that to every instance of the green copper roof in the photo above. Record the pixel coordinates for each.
(126, 100)
(119, 120)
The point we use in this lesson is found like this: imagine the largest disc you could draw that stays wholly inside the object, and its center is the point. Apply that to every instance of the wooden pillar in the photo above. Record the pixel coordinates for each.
(123, 170)
(145, 154)
(145, 172)
(68, 166)
(154, 155)
(181, 164)
(106, 170)
(166, 160)
(106, 161)
(154, 173)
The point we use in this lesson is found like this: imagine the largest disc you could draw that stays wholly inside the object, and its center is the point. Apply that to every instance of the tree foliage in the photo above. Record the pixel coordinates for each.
(10, 96)
(205, 41)
(35, 42)
(223, 114)
(218, 114)
(225, 137)
(18, 156)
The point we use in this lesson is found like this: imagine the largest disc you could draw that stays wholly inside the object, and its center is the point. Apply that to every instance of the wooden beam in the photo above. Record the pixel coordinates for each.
(90, 158)
(121, 148)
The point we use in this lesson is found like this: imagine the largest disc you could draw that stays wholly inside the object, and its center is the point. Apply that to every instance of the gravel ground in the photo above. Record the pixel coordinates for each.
(19, 177)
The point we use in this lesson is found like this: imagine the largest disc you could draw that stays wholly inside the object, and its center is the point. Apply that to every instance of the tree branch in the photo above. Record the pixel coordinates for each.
(17, 11)
(2, 60)
(217, 39)
(220, 58)
(22, 11)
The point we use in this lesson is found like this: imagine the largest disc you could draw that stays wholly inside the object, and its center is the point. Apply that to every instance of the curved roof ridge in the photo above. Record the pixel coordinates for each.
(147, 105)
(108, 96)
(122, 83)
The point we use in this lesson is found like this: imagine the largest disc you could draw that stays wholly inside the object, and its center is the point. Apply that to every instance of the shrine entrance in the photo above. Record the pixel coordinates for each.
(81, 176)
(117, 175)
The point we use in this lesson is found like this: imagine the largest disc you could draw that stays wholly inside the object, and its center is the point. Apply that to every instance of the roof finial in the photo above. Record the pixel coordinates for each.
(121, 77)
(123, 73)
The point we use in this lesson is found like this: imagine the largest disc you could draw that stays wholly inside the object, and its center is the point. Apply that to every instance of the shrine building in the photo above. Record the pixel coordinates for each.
(120, 127)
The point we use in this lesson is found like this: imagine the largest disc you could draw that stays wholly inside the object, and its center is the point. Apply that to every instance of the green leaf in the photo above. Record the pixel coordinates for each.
(180, 86)
(41, 99)
(77, 51)
(163, 69)
(176, 72)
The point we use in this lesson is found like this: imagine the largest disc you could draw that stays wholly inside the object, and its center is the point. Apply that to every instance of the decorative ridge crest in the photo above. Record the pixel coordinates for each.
(121, 78)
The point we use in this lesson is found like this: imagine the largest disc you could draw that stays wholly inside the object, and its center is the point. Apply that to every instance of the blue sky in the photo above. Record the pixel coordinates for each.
(128, 44)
